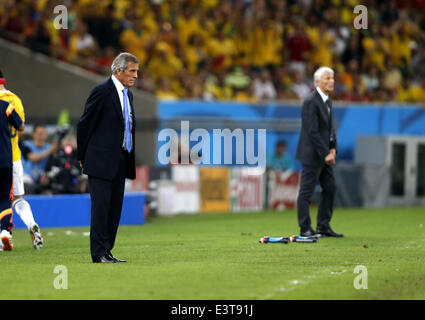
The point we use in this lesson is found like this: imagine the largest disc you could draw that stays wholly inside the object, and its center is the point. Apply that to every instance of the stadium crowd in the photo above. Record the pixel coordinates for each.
(243, 50)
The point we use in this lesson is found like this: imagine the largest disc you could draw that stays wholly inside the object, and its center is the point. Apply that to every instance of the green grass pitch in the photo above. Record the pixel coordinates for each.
(218, 256)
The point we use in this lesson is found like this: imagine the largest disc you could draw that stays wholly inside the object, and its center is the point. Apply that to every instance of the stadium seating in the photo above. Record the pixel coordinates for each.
(222, 50)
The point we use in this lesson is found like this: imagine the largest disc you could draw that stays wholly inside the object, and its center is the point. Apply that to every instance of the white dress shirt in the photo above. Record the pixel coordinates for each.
(322, 94)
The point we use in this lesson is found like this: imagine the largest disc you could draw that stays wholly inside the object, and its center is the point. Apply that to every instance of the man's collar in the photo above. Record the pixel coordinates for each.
(117, 83)
(322, 94)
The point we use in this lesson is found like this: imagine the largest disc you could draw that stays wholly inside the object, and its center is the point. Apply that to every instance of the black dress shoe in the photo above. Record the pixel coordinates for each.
(104, 259)
(308, 233)
(116, 259)
(328, 232)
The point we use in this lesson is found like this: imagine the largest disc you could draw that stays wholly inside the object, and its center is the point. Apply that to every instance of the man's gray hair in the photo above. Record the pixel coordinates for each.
(121, 61)
(320, 72)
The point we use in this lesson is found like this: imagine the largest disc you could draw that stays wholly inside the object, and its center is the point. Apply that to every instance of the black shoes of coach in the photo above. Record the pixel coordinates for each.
(328, 232)
(308, 233)
(116, 259)
(105, 259)
(108, 258)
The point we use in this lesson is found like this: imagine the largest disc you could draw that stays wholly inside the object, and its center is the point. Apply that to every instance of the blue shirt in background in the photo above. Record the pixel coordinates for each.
(35, 169)
(283, 162)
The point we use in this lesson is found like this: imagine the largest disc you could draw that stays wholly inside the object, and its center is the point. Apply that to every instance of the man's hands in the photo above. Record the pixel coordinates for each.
(331, 157)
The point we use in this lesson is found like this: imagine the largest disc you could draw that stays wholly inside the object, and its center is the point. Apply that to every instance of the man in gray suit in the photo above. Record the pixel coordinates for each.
(316, 151)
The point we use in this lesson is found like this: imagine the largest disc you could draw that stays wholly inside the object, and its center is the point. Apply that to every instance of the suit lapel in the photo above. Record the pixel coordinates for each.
(116, 99)
(323, 107)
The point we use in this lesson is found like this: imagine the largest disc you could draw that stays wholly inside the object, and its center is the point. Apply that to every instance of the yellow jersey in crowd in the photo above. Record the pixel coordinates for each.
(13, 99)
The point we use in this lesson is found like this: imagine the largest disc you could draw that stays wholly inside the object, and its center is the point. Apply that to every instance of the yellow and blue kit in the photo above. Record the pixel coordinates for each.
(14, 100)
(8, 116)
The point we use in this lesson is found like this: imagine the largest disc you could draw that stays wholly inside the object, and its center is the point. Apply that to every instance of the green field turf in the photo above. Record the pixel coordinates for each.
(217, 256)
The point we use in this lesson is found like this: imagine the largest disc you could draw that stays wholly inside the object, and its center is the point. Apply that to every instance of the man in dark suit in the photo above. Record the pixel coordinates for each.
(105, 138)
(317, 151)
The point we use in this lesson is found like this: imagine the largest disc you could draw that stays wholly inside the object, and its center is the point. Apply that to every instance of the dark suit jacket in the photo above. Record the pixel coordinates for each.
(100, 133)
(316, 131)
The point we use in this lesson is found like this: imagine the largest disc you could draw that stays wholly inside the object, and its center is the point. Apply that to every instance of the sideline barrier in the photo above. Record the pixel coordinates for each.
(283, 121)
(74, 210)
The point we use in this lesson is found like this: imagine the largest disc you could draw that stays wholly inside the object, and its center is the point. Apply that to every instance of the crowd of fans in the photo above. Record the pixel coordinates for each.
(243, 50)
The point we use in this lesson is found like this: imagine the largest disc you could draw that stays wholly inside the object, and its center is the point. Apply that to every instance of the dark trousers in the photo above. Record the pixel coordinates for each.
(106, 205)
(6, 179)
(309, 178)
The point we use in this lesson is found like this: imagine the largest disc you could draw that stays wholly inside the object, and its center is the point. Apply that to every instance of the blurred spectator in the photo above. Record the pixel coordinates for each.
(63, 172)
(268, 41)
(105, 60)
(221, 49)
(282, 79)
(355, 93)
(164, 64)
(137, 39)
(353, 51)
(393, 76)
(188, 24)
(406, 92)
(14, 26)
(81, 44)
(347, 77)
(105, 28)
(164, 91)
(419, 91)
(280, 159)
(247, 94)
(323, 45)
(217, 89)
(237, 79)
(145, 81)
(263, 86)
(299, 46)
(418, 64)
(376, 46)
(195, 55)
(35, 155)
(403, 32)
(381, 93)
(40, 39)
(339, 87)
(370, 79)
(300, 88)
